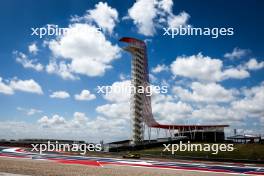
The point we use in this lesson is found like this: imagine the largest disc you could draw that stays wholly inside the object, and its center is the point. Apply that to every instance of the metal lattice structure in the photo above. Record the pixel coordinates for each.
(140, 104)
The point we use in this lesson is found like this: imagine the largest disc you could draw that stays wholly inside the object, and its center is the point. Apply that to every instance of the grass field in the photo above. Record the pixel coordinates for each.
(242, 151)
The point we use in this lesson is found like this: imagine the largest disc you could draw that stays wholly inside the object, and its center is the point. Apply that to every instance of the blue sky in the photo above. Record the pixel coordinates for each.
(209, 80)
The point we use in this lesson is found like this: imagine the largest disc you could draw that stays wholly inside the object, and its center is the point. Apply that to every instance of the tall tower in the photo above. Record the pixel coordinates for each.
(140, 104)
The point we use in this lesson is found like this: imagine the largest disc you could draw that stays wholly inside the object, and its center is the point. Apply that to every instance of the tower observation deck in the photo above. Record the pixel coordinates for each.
(140, 103)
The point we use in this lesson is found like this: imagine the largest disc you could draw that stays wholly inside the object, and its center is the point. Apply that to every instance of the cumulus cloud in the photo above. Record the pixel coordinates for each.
(115, 110)
(143, 13)
(167, 110)
(237, 53)
(205, 68)
(60, 95)
(5, 89)
(61, 69)
(113, 121)
(83, 49)
(85, 95)
(175, 21)
(54, 121)
(166, 5)
(86, 49)
(123, 77)
(159, 68)
(252, 103)
(118, 108)
(28, 63)
(148, 15)
(79, 119)
(79, 126)
(231, 106)
(253, 64)
(103, 15)
(208, 93)
(235, 73)
(120, 91)
(216, 114)
(92, 131)
(33, 48)
(30, 86)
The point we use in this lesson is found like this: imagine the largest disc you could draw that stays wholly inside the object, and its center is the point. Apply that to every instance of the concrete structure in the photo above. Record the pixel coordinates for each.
(141, 111)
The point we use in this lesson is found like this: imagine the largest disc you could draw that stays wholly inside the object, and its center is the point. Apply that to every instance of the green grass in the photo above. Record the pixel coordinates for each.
(242, 151)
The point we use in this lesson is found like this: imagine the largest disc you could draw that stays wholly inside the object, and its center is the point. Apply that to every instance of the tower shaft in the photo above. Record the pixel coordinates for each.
(140, 102)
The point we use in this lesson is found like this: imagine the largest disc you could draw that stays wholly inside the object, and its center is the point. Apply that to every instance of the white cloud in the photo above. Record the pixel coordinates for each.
(93, 131)
(123, 77)
(82, 127)
(33, 48)
(30, 86)
(83, 49)
(62, 69)
(86, 49)
(253, 64)
(237, 53)
(115, 110)
(143, 13)
(5, 89)
(26, 62)
(237, 112)
(159, 68)
(235, 73)
(113, 123)
(85, 95)
(60, 94)
(105, 16)
(166, 5)
(152, 78)
(209, 93)
(216, 114)
(30, 111)
(197, 67)
(54, 121)
(205, 68)
(148, 15)
(120, 91)
(175, 21)
(79, 120)
(166, 110)
(253, 102)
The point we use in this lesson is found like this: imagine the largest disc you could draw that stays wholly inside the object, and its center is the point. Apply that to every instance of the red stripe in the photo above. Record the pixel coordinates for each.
(12, 156)
(83, 162)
